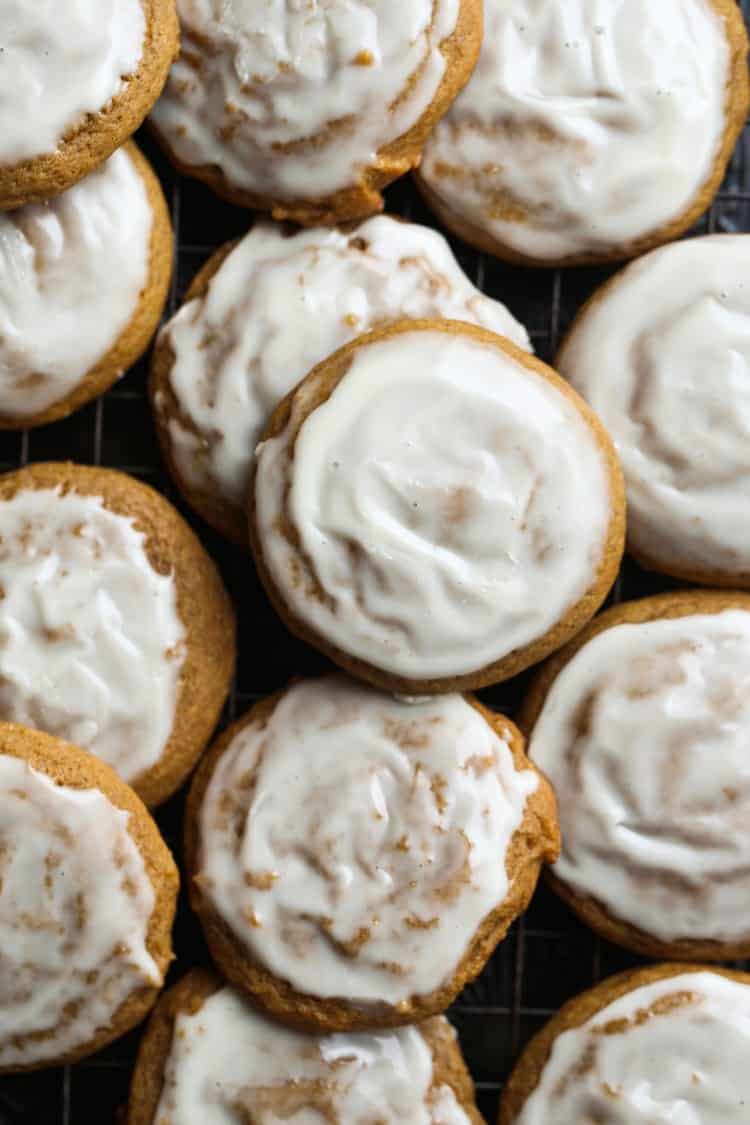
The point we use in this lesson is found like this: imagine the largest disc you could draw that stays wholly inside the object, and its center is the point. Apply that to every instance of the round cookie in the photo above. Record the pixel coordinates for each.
(674, 331)
(78, 78)
(207, 1057)
(87, 901)
(83, 282)
(590, 131)
(666, 1043)
(641, 726)
(115, 630)
(310, 111)
(239, 343)
(435, 509)
(355, 859)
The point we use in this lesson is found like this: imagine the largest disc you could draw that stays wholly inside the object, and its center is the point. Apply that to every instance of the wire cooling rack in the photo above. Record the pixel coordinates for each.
(548, 956)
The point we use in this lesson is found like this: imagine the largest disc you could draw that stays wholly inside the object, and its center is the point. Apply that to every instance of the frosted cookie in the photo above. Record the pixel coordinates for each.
(642, 727)
(435, 509)
(77, 79)
(262, 313)
(87, 899)
(590, 130)
(115, 630)
(83, 281)
(309, 111)
(665, 1044)
(355, 859)
(662, 353)
(208, 1058)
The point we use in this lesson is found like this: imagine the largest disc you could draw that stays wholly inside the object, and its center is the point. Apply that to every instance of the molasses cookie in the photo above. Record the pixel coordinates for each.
(590, 131)
(309, 111)
(87, 900)
(115, 630)
(642, 727)
(435, 509)
(262, 313)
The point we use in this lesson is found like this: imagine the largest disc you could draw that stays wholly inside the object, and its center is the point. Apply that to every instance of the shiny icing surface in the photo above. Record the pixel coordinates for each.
(75, 903)
(587, 123)
(670, 1053)
(91, 644)
(279, 305)
(229, 1065)
(450, 505)
(294, 100)
(71, 275)
(355, 843)
(62, 60)
(644, 738)
(674, 393)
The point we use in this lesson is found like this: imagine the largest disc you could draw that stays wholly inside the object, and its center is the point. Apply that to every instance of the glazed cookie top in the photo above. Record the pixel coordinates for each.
(671, 1051)
(295, 100)
(228, 1064)
(62, 60)
(355, 843)
(243, 344)
(91, 644)
(71, 275)
(672, 393)
(586, 125)
(75, 905)
(445, 505)
(644, 737)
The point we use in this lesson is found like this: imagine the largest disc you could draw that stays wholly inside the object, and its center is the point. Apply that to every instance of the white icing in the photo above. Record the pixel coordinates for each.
(586, 124)
(75, 903)
(61, 60)
(670, 1053)
(91, 644)
(673, 388)
(71, 275)
(294, 100)
(355, 844)
(229, 1065)
(644, 737)
(278, 306)
(451, 503)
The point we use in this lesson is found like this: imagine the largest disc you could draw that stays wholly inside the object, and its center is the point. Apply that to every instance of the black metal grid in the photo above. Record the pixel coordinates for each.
(548, 956)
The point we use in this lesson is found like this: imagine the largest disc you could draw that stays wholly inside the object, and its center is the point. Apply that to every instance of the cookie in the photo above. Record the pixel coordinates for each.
(666, 1043)
(87, 901)
(78, 78)
(207, 1056)
(641, 726)
(355, 859)
(262, 313)
(590, 132)
(434, 509)
(674, 330)
(310, 111)
(83, 282)
(115, 630)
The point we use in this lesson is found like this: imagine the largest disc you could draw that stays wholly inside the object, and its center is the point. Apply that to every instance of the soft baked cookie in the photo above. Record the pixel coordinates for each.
(665, 1044)
(355, 859)
(77, 79)
(208, 1058)
(83, 281)
(309, 111)
(642, 728)
(662, 354)
(115, 630)
(435, 509)
(262, 313)
(591, 130)
(87, 900)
